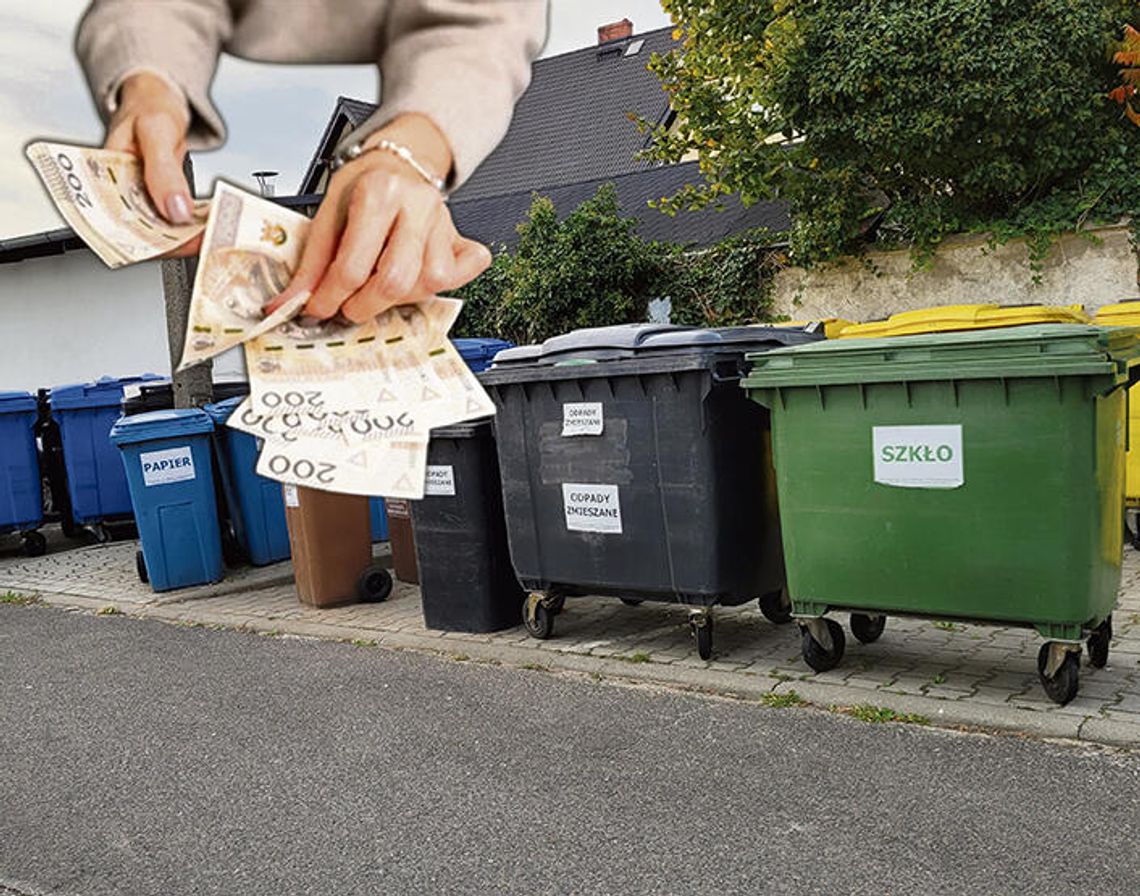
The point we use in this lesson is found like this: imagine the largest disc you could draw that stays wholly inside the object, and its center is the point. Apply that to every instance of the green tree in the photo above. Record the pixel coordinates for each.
(917, 118)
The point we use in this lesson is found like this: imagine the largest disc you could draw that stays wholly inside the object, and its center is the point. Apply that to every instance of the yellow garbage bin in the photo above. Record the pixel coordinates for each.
(949, 318)
(1127, 314)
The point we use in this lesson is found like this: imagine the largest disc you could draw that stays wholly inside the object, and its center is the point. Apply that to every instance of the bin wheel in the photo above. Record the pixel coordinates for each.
(35, 545)
(1098, 644)
(1063, 686)
(233, 554)
(374, 584)
(776, 607)
(867, 628)
(140, 567)
(538, 617)
(702, 626)
(68, 525)
(631, 601)
(819, 657)
(555, 602)
(102, 534)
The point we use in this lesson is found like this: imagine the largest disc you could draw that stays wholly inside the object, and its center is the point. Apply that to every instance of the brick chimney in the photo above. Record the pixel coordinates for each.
(615, 31)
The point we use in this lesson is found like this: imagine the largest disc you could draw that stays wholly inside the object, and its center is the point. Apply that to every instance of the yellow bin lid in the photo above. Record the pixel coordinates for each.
(966, 317)
(1122, 314)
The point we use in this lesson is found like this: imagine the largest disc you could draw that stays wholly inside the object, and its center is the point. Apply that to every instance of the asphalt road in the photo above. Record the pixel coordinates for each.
(143, 758)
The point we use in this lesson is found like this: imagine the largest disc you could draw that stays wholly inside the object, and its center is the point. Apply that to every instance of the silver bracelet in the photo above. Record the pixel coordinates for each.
(343, 156)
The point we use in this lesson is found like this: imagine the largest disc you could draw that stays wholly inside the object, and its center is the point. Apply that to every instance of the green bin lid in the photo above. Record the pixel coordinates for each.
(1027, 351)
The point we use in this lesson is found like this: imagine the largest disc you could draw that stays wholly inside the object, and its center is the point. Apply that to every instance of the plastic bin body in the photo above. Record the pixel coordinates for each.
(257, 507)
(479, 353)
(21, 494)
(402, 540)
(159, 395)
(1007, 506)
(1127, 314)
(96, 484)
(665, 489)
(957, 318)
(379, 516)
(170, 473)
(466, 578)
(330, 537)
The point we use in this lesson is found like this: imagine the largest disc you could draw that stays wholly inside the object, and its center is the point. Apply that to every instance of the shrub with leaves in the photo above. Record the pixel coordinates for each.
(908, 119)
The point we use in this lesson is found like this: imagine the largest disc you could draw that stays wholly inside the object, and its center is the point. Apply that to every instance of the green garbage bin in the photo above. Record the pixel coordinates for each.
(975, 476)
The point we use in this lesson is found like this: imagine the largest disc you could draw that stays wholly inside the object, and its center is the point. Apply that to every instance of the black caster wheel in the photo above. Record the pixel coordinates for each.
(140, 567)
(233, 554)
(1098, 644)
(703, 632)
(68, 526)
(101, 533)
(374, 585)
(1063, 686)
(776, 607)
(538, 618)
(867, 628)
(816, 655)
(631, 601)
(35, 545)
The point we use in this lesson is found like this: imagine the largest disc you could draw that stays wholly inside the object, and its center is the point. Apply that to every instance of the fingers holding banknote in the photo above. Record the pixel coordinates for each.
(151, 121)
(383, 236)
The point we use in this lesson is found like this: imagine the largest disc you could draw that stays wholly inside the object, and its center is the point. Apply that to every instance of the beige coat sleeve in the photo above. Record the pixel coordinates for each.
(182, 41)
(463, 64)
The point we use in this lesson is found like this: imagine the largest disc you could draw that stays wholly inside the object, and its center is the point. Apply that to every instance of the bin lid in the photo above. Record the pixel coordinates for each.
(625, 341)
(832, 326)
(480, 349)
(220, 411)
(468, 430)
(948, 318)
(16, 402)
(1120, 314)
(106, 391)
(161, 425)
(1033, 350)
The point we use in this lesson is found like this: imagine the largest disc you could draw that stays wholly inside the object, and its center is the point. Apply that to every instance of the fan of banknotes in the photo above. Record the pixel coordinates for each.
(340, 407)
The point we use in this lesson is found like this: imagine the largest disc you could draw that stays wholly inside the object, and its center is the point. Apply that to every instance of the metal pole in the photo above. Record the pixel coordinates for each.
(194, 387)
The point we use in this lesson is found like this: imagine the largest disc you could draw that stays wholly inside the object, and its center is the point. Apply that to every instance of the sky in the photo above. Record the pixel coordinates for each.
(275, 114)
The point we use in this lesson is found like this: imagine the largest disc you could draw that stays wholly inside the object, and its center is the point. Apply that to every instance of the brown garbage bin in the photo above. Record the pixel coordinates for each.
(402, 540)
(330, 538)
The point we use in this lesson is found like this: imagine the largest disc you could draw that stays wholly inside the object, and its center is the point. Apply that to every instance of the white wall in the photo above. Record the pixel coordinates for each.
(68, 319)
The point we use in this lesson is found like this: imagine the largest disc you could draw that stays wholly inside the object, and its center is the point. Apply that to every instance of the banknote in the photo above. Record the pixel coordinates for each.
(394, 468)
(250, 249)
(102, 196)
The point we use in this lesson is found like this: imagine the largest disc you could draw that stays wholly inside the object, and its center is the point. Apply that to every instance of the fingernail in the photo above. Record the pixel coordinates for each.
(178, 209)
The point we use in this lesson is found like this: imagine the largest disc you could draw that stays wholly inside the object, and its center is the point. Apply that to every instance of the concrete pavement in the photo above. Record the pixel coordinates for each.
(948, 674)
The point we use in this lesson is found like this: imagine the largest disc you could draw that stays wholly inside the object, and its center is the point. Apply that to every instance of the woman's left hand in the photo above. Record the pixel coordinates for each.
(383, 235)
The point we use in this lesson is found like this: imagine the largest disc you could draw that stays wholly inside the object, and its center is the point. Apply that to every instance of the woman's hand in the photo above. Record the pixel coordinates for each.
(383, 236)
(151, 122)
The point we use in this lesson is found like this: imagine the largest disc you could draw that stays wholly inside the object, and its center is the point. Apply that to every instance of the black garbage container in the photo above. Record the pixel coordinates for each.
(466, 578)
(631, 467)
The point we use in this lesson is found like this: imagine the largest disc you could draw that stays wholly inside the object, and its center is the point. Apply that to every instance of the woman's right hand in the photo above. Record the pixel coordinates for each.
(151, 122)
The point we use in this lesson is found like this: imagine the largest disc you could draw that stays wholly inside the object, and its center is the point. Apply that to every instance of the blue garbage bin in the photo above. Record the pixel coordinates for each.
(479, 353)
(21, 495)
(170, 475)
(85, 413)
(256, 504)
(379, 519)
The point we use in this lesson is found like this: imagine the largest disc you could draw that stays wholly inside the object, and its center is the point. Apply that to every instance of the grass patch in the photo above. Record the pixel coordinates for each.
(939, 679)
(460, 657)
(866, 712)
(362, 642)
(536, 667)
(109, 611)
(782, 701)
(19, 600)
(946, 626)
(638, 657)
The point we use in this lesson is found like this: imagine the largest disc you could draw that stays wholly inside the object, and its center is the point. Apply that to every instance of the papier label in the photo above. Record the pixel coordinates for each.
(292, 499)
(582, 418)
(440, 481)
(164, 467)
(592, 508)
(918, 456)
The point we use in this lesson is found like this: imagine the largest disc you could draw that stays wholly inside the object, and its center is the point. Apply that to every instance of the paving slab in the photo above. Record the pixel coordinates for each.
(954, 675)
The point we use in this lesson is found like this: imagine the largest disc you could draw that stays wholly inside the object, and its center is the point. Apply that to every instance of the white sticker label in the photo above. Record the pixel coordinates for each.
(440, 481)
(583, 418)
(592, 508)
(164, 467)
(918, 456)
(292, 499)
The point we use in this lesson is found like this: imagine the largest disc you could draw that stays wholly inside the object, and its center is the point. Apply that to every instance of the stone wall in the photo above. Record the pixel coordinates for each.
(1077, 272)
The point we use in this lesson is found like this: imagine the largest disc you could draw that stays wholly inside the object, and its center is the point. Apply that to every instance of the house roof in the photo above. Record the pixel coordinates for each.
(571, 125)
(494, 219)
